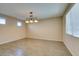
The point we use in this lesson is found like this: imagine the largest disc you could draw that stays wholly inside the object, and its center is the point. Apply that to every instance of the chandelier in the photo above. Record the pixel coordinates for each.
(31, 19)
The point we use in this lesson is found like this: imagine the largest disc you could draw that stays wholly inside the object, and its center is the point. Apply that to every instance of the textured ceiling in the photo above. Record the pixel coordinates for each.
(40, 10)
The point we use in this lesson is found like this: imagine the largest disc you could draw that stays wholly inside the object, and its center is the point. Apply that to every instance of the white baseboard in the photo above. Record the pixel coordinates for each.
(68, 49)
(43, 39)
(9, 41)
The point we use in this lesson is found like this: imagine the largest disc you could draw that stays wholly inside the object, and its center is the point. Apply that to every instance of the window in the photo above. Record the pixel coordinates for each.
(68, 24)
(72, 21)
(19, 23)
(2, 20)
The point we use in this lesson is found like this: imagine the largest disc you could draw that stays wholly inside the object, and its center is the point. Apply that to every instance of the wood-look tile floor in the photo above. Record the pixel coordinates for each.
(34, 47)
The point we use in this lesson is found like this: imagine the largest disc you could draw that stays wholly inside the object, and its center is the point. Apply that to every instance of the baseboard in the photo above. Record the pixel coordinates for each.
(43, 39)
(10, 41)
(26, 38)
(68, 48)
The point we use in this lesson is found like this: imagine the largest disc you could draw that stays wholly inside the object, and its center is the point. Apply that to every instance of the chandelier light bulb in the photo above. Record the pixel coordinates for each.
(26, 21)
(31, 21)
(35, 21)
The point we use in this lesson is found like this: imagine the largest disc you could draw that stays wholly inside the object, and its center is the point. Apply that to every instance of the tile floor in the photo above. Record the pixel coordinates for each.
(34, 47)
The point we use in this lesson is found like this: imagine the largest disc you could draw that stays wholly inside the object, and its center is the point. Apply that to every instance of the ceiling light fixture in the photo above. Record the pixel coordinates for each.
(31, 19)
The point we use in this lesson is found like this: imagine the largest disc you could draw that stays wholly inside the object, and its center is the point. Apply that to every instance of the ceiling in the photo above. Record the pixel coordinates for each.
(40, 10)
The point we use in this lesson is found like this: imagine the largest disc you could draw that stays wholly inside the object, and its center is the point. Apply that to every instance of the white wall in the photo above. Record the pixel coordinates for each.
(49, 29)
(10, 31)
(71, 42)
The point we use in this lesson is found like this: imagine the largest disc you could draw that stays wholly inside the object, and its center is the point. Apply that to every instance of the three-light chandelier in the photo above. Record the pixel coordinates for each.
(31, 19)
